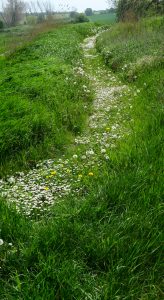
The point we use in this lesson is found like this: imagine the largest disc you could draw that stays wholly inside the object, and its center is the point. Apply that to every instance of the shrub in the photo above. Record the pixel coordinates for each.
(1, 25)
(78, 17)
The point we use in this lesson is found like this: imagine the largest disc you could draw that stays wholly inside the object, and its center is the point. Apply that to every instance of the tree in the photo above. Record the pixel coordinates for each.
(13, 12)
(73, 14)
(81, 18)
(89, 12)
(135, 9)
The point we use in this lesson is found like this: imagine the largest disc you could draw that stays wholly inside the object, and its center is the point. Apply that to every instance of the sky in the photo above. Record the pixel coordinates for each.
(80, 5)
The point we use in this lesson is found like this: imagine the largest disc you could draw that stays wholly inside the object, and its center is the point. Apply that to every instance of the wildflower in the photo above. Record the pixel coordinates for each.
(80, 176)
(1, 242)
(11, 180)
(108, 129)
(107, 145)
(75, 156)
(83, 157)
(46, 188)
(106, 157)
(53, 173)
(90, 152)
(90, 174)
(10, 244)
(103, 151)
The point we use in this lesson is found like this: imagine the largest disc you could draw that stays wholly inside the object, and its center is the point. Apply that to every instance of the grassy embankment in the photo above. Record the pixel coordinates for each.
(42, 98)
(106, 246)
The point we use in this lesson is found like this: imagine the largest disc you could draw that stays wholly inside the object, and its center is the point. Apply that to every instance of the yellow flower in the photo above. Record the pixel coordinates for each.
(53, 173)
(80, 175)
(108, 129)
(46, 188)
(90, 174)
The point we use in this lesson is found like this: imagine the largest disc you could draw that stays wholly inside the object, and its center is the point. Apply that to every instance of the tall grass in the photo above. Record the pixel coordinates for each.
(42, 98)
(127, 43)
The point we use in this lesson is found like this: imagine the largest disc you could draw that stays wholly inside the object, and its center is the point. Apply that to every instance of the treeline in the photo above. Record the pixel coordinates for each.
(135, 9)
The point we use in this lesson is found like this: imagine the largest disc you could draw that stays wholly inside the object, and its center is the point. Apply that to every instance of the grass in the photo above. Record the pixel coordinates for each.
(103, 19)
(13, 36)
(139, 43)
(42, 98)
(106, 244)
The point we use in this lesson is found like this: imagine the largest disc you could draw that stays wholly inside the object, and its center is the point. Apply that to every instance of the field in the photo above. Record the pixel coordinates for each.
(103, 18)
(82, 219)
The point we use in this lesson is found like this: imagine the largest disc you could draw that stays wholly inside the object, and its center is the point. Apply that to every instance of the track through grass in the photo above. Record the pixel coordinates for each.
(102, 238)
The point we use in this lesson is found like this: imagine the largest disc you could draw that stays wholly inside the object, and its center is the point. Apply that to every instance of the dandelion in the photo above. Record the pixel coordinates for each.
(46, 188)
(53, 173)
(1, 242)
(108, 129)
(90, 174)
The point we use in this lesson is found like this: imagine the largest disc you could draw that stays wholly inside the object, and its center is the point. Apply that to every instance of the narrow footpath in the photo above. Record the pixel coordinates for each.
(35, 192)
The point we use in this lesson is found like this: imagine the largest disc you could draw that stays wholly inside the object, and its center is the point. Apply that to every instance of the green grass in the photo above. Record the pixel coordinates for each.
(127, 43)
(42, 99)
(13, 36)
(106, 245)
(103, 18)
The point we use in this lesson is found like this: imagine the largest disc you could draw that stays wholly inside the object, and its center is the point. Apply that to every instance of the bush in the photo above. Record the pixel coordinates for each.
(1, 25)
(81, 18)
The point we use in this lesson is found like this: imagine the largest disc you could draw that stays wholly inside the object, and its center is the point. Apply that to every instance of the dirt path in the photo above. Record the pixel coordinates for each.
(34, 193)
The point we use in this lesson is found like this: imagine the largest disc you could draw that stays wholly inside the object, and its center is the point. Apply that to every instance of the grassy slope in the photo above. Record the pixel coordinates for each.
(108, 245)
(42, 100)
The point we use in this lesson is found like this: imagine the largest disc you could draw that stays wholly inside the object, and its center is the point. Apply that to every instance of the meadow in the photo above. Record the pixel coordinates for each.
(103, 239)
(103, 19)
